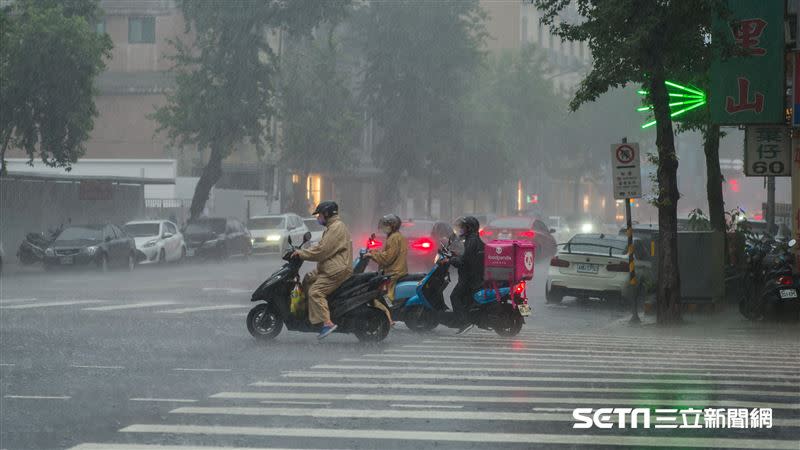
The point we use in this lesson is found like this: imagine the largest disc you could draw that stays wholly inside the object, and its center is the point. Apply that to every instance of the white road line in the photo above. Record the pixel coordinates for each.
(616, 359)
(431, 368)
(93, 446)
(403, 405)
(96, 367)
(289, 402)
(569, 364)
(15, 300)
(228, 290)
(183, 369)
(165, 400)
(129, 306)
(203, 308)
(460, 436)
(598, 351)
(488, 388)
(7, 365)
(656, 402)
(46, 304)
(39, 397)
(560, 410)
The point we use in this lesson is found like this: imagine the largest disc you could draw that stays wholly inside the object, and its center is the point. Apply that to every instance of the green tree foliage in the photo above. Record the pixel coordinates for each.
(50, 55)
(226, 76)
(418, 57)
(319, 115)
(644, 41)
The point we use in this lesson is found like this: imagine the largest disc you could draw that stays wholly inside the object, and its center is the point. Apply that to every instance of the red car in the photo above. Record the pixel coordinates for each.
(522, 228)
(423, 238)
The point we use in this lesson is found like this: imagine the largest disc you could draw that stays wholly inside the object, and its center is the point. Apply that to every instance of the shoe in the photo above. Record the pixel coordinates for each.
(325, 331)
(465, 329)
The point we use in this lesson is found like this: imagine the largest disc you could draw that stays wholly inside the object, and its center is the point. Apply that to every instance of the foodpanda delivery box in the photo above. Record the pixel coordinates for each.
(510, 261)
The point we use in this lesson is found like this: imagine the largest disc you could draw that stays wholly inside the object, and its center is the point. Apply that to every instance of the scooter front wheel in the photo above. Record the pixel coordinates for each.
(263, 322)
(420, 320)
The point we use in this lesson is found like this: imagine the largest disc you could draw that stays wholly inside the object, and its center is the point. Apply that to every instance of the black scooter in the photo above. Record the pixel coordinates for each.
(350, 305)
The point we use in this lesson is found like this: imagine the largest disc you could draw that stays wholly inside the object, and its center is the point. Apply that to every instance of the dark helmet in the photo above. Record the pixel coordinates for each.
(467, 224)
(327, 209)
(391, 221)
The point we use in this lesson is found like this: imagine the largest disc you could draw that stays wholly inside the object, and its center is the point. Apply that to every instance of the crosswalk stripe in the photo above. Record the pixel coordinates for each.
(94, 446)
(506, 399)
(129, 306)
(422, 412)
(632, 367)
(604, 351)
(531, 369)
(462, 436)
(47, 304)
(645, 339)
(479, 388)
(203, 308)
(5, 301)
(656, 379)
(496, 357)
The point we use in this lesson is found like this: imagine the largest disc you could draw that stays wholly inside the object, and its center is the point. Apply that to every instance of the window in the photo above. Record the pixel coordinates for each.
(141, 30)
(540, 227)
(100, 26)
(171, 228)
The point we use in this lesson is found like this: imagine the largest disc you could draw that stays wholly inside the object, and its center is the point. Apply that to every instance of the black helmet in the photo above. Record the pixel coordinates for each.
(327, 209)
(467, 224)
(391, 221)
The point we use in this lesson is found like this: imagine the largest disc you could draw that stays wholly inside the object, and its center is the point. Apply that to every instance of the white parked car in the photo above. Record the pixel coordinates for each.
(596, 266)
(315, 228)
(270, 233)
(157, 241)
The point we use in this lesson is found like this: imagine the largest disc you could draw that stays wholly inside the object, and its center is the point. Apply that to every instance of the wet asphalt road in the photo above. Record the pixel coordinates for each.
(160, 358)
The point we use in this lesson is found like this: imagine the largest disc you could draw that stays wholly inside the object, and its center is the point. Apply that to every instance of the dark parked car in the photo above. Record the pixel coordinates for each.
(522, 228)
(217, 237)
(95, 245)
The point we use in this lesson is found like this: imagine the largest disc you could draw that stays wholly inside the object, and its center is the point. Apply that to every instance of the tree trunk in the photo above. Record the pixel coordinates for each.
(3, 168)
(716, 204)
(669, 282)
(212, 172)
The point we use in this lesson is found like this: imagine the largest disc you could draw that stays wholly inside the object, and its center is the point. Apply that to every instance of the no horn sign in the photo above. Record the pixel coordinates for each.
(626, 171)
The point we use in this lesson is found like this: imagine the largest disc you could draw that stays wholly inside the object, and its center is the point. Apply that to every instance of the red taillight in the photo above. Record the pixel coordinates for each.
(486, 233)
(519, 288)
(372, 243)
(784, 280)
(555, 262)
(618, 267)
(530, 234)
(424, 244)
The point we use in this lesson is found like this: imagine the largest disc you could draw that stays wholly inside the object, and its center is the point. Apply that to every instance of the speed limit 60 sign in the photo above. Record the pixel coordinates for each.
(767, 151)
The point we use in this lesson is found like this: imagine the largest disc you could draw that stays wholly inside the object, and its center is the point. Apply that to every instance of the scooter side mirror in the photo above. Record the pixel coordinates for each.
(289, 239)
(372, 237)
(792, 243)
(306, 237)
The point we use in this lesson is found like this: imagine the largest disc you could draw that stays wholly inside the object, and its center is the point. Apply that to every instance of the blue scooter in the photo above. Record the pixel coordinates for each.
(419, 300)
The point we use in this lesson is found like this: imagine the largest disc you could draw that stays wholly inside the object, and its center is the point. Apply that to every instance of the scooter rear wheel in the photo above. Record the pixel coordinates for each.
(510, 325)
(264, 323)
(374, 327)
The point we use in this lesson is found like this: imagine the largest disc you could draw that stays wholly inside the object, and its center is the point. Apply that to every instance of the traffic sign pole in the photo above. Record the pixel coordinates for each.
(631, 262)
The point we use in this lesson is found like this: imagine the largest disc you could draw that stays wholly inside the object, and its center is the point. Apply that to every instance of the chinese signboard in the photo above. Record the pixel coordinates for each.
(767, 151)
(749, 88)
(95, 190)
(626, 171)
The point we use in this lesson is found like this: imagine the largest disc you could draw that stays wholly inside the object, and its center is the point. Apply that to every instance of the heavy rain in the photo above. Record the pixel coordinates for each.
(394, 224)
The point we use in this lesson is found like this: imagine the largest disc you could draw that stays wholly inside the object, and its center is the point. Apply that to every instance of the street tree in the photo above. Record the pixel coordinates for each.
(318, 112)
(642, 41)
(50, 55)
(226, 76)
(418, 59)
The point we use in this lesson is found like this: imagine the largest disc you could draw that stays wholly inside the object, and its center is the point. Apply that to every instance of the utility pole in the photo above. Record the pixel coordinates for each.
(631, 262)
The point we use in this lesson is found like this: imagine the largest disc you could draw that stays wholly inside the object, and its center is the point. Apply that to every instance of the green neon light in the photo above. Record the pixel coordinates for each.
(689, 98)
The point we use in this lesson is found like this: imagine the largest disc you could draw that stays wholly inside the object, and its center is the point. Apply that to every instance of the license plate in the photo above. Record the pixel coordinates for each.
(66, 260)
(524, 310)
(788, 293)
(189, 252)
(587, 268)
(504, 236)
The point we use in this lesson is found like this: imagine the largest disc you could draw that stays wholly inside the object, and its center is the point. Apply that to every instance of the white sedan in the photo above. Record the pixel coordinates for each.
(157, 241)
(315, 228)
(270, 233)
(596, 265)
